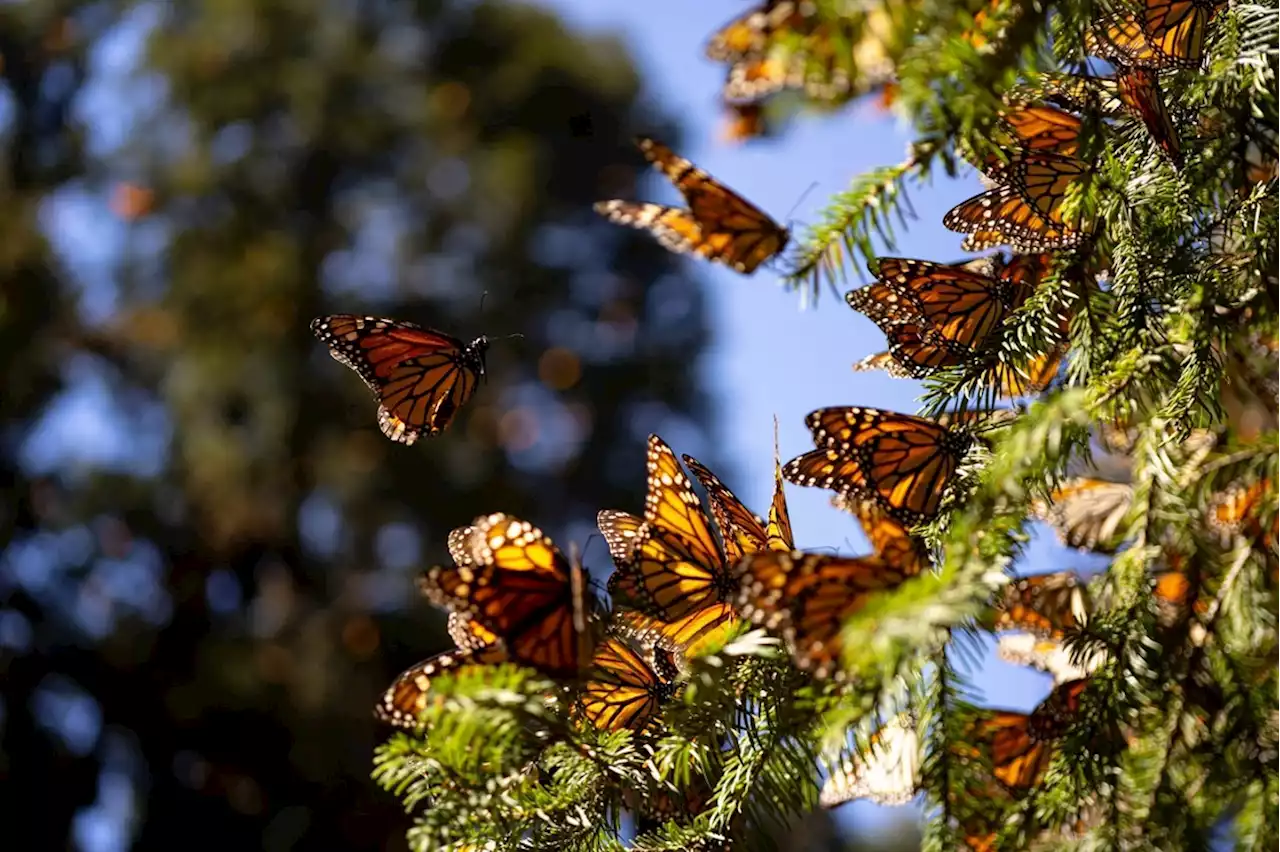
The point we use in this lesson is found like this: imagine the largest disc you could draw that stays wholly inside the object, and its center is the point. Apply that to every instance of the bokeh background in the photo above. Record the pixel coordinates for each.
(207, 546)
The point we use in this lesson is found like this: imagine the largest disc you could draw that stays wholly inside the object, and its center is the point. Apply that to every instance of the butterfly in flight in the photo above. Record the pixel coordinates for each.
(807, 598)
(518, 586)
(420, 377)
(719, 224)
(1024, 209)
(902, 462)
(670, 568)
(633, 674)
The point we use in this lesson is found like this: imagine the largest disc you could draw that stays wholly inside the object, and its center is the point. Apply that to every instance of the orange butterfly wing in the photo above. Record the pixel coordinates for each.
(624, 690)
(906, 462)
(740, 530)
(1045, 604)
(522, 589)
(420, 377)
(719, 225)
(402, 704)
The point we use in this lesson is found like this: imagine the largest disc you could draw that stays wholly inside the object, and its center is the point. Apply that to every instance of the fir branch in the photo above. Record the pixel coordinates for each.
(851, 222)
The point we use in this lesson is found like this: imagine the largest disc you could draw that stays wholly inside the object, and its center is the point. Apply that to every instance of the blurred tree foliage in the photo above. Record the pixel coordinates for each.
(208, 546)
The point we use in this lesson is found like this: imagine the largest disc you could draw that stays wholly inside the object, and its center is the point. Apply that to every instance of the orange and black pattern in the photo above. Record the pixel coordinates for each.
(1021, 745)
(902, 462)
(1047, 605)
(807, 597)
(633, 674)
(1167, 35)
(1024, 209)
(669, 565)
(719, 224)
(420, 377)
(519, 587)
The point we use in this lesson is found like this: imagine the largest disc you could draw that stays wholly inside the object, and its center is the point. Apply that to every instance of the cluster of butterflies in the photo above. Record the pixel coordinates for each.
(685, 576)
(781, 45)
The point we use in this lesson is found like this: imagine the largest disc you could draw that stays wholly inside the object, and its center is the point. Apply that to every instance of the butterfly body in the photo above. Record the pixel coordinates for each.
(420, 377)
(633, 674)
(719, 224)
(901, 461)
(1024, 209)
(518, 586)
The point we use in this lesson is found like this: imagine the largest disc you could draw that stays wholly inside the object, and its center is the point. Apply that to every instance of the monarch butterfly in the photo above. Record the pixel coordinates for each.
(1024, 210)
(784, 44)
(807, 597)
(887, 774)
(719, 225)
(889, 539)
(420, 377)
(1040, 127)
(669, 565)
(1168, 34)
(1139, 90)
(903, 462)
(963, 307)
(469, 634)
(1046, 655)
(1235, 509)
(1087, 513)
(1020, 744)
(749, 34)
(1031, 378)
(518, 586)
(740, 530)
(1047, 605)
(627, 687)
(402, 704)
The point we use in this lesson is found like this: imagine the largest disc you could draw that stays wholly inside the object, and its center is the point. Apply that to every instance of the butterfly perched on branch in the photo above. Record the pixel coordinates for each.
(1047, 605)
(1165, 35)
(633, 674)
(1024, 209)
(807, 598)
(420, 377)
(1021, 745)
(669, 566)
(889, 539)
(902, 462)
(719, 224)
(517, 585)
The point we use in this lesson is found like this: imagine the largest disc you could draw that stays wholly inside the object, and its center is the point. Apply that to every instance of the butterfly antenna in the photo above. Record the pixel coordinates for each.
(509, 336)
(800, 200)
(484, 294)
